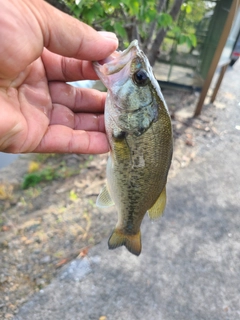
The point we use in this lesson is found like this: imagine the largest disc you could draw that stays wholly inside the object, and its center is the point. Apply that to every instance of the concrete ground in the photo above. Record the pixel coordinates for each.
(189, 268)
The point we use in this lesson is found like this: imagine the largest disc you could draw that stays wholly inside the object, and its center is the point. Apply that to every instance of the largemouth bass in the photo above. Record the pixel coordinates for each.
(139, 131)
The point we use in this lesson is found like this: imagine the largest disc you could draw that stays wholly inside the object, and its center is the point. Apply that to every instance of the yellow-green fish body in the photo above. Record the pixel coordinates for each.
(139, 131)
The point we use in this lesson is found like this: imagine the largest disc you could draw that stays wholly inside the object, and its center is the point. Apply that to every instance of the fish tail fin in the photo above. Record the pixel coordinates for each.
(131, 241)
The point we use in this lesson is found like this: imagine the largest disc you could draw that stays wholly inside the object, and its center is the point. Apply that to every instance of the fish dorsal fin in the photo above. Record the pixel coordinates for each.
(104, 199)
(157, 209)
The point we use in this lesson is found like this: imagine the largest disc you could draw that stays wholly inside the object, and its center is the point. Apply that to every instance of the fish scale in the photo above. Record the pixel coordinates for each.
(139, 131)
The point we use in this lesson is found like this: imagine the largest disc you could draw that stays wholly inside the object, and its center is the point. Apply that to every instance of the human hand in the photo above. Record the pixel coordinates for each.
(40, 50)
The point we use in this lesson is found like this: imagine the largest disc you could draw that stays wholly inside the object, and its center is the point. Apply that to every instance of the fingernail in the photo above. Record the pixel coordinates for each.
(109, 35)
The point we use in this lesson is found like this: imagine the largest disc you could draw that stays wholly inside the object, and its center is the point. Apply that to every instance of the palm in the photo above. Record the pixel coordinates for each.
(42, 110)
(27, 112)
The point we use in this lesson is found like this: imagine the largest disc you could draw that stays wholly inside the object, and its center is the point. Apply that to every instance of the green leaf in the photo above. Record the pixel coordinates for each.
(189, 39)
(186, 7)
(120, 30)
(193, 39)
(133, 8)
(75, 9)
(150, 15)
(182, 39)
(164, 20)
(176, 30)
(189, 42)
(93, 13)
(115, 3)
(126, 2)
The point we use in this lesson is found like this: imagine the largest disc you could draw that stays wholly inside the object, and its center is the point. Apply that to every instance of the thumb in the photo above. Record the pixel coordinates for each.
(27, 26)
(68, 36)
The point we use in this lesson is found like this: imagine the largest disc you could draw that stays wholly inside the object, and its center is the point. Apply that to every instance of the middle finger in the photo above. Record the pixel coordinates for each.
(77, 99)
(62, 115)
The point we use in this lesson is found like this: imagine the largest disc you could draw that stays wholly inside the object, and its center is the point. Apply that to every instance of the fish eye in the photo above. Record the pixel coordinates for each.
(140, 77)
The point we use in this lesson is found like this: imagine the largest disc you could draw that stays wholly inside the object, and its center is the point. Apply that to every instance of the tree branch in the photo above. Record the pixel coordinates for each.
(149, 40)
(153, 51)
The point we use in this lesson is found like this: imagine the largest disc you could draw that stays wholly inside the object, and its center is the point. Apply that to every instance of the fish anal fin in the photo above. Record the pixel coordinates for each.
(131, 241)
(157, 209)
(104, 199)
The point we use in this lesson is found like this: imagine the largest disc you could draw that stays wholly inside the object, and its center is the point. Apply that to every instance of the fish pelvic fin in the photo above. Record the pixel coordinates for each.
(104, 199)
(131, 241)
(157, 209)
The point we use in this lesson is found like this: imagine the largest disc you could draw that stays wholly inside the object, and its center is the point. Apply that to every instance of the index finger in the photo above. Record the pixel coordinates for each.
(61, 68)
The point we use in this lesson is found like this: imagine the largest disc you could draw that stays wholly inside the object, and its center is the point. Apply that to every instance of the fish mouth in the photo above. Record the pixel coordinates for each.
(117, 60)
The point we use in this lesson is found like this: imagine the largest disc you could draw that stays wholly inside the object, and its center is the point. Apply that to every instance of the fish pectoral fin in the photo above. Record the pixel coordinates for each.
(131, 241)
(157, 209)
(104, 199)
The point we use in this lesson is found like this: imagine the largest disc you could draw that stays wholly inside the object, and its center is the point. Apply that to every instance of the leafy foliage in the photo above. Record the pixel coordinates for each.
(41, 172)
(34, 178)
(142, 20)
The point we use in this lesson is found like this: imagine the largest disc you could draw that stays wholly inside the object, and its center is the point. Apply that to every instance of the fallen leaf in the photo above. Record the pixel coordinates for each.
(62, 262)
(83, 252)
(5, 191)
(103, 318)
(72, 195)
(6, 228)
(189, 140)
(229, 95)
(220, 105)
(33, 166)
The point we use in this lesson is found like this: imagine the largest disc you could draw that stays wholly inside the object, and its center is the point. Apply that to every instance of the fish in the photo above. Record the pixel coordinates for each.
(139, 131)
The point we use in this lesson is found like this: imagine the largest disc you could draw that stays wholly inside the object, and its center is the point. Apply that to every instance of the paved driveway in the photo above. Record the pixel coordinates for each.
(189, 268)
